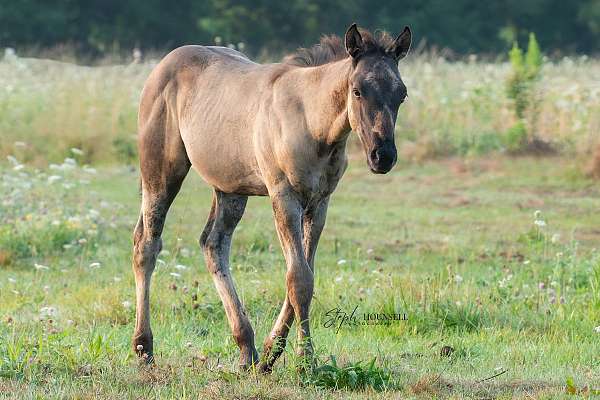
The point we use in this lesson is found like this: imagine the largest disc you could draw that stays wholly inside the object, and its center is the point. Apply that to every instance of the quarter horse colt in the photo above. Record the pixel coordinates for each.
(276, 130)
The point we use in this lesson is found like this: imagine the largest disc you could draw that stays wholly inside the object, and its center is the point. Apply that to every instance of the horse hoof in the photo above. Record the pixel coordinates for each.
(306, 362)
(265, 368)
(144, 353)
(146, 359)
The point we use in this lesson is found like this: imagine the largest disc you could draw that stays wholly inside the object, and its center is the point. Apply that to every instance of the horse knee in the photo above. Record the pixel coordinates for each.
(145, 252)
(212, 247)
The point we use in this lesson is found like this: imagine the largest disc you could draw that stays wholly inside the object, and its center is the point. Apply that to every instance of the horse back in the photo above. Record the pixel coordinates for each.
(212, 96)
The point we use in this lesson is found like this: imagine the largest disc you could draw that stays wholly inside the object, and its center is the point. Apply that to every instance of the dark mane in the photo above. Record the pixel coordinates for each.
(331, 48)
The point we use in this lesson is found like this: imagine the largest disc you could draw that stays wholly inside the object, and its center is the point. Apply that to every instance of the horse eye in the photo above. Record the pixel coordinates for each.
(356, 93)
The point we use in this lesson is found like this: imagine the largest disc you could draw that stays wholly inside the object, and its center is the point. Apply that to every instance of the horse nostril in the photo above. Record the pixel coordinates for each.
(375, 155)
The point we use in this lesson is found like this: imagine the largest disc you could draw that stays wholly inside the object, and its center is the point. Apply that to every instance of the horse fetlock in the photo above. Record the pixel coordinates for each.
(272, 349)
(305, 355)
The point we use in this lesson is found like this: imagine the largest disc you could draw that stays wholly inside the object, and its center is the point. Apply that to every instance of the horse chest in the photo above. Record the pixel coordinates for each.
(318, 180)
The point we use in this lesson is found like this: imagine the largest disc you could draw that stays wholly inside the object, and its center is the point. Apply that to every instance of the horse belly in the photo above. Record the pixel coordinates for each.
(222, 160)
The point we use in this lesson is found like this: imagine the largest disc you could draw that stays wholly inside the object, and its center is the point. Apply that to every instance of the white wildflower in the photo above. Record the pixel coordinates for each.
(175, 275)
(181, 267)
(41, 267)
(597, 329)
(342, 262)
(458, 278)
(54, 178)
(76, 151)
(126, 304)
(12, 160)
(95, 265)
(47, 311)
(10, 53)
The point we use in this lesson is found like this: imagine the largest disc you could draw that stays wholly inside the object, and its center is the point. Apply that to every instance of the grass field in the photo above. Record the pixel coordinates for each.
(459, 108)
(494, 257)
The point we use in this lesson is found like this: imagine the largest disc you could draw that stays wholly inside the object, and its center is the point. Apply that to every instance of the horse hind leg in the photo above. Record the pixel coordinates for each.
(164, 165)
(226, 212)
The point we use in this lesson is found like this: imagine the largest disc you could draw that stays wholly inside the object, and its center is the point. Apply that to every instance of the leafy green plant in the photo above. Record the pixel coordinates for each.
(521, 89)
(353, 376)
(16, 354)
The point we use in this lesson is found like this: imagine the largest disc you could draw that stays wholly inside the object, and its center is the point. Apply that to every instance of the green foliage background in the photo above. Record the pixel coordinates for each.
(99, 26)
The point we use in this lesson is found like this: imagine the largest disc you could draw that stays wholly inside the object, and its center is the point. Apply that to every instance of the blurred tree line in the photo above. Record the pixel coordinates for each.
(95, 27)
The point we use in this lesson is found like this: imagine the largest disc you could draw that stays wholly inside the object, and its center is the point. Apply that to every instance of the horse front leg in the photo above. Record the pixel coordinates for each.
(226, 212)
(299, 234)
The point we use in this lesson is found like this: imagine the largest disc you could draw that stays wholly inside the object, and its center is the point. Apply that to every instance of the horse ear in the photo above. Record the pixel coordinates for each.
(401, 45)
(353, 41)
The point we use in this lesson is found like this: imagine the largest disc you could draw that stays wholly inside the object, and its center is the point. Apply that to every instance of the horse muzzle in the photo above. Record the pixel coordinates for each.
(382, 157)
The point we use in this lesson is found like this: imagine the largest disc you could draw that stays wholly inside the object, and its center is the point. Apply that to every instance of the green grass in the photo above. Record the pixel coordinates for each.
(452, 244)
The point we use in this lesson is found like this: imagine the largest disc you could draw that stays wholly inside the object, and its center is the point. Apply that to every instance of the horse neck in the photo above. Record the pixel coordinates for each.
(325, 100)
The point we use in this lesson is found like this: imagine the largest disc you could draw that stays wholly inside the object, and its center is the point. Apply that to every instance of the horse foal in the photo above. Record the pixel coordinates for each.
(276, 130)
